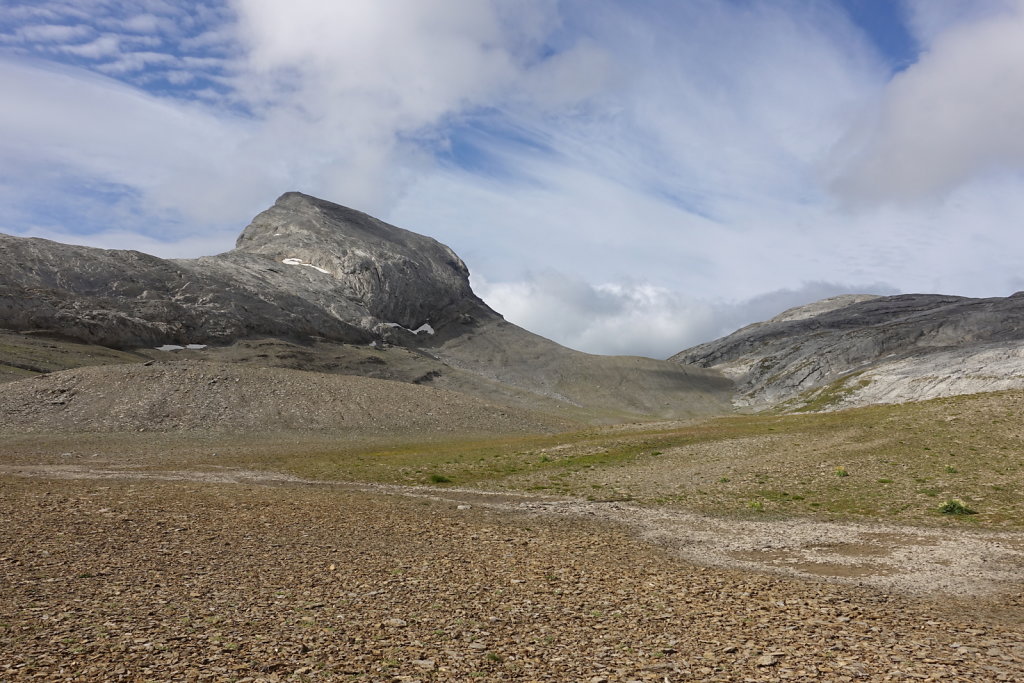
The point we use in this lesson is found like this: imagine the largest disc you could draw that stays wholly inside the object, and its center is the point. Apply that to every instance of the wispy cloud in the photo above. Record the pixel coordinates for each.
(52, 33)
(104, 46)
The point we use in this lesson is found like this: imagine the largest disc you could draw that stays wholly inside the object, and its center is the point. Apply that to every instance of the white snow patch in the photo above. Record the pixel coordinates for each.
(178, 347)
(425, 327)
(299, 262)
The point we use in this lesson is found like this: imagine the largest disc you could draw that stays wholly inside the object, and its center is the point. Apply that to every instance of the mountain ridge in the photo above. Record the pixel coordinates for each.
(870, 349)
(321, 276)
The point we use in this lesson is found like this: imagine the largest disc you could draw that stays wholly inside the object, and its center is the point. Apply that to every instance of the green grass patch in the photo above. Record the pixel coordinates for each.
(956, 507)
(828, 396)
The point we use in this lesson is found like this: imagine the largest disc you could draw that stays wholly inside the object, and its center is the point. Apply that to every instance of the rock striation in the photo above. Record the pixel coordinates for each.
(863, 349)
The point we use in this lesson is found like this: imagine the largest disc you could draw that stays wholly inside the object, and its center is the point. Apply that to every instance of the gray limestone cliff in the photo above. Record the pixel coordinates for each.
(305, 267)
(863, 349)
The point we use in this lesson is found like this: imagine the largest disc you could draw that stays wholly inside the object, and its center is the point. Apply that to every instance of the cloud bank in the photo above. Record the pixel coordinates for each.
(630, 318)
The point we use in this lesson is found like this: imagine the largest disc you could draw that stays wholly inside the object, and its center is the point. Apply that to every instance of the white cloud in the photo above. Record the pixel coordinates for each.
(56, 33)
(366, 83)
(615, 318)
(930, 19)
(137, 61)
(144, 23)
(179, 156)
(637, 318)
(954, 117)
(104, 46)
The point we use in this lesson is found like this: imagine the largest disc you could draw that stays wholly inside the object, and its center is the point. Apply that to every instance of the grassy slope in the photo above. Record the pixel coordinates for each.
(901, 462)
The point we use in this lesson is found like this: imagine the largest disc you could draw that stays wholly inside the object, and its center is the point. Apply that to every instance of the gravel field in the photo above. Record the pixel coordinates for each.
(183, 580)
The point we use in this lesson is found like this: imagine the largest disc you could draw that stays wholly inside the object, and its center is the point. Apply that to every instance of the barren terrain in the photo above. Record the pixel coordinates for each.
(116, 579)
(615, 554)
(226, 514)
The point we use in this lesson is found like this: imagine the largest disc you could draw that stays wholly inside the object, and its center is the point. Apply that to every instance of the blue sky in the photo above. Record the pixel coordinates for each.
(621, 176)
(885, 23)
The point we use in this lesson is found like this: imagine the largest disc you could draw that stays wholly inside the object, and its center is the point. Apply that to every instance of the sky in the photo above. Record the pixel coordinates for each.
(622, 176)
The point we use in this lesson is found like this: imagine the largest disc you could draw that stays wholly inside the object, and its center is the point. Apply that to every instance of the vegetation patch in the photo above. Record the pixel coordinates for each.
(829, 396)
(956, 507)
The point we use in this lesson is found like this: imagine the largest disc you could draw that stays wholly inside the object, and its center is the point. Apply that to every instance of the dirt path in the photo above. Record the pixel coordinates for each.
(901, 559)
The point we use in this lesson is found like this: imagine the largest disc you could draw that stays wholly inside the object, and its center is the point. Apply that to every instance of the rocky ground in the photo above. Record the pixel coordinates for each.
(233, 398)
(269, 579)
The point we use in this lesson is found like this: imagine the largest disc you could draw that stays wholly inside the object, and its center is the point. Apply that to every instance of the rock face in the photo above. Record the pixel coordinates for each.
(866, 349)
(393, 279)
(307, 270)
(305, 267)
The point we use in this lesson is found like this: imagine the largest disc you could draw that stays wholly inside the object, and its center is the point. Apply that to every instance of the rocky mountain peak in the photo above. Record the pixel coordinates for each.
(398, 276)
(303, 268)
(816, 308)
(299, 222)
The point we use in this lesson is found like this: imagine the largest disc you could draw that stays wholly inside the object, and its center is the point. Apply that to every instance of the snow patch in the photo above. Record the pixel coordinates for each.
(300, 262)
(425, 327)
(178, 347)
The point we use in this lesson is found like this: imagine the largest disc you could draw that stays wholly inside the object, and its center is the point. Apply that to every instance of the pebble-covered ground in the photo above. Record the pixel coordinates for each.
(108, 580)
(226, 398)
